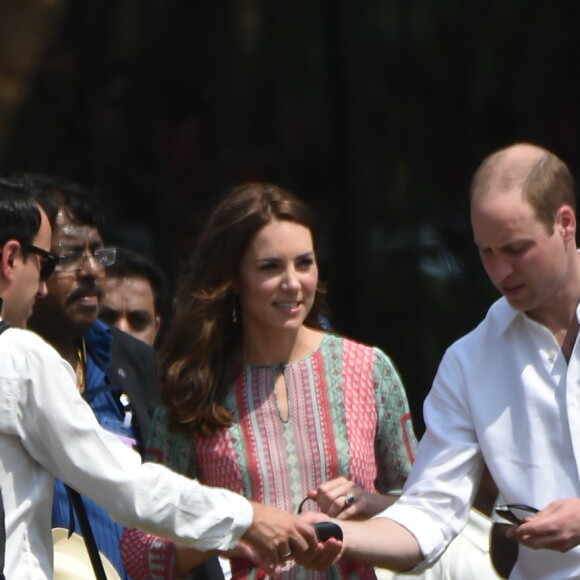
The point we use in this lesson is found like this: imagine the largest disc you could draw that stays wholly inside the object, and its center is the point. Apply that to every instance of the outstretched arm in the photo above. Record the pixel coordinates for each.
(380, 542)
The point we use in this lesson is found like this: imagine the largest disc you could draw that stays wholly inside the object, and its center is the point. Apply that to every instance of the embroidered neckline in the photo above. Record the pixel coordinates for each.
(283, 365)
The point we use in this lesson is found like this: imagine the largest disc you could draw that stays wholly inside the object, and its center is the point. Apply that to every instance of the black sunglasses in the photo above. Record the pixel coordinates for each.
(515, 513)
(48, 261)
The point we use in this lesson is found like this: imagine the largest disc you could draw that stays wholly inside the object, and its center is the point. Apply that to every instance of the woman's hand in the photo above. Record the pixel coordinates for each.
(343, 499)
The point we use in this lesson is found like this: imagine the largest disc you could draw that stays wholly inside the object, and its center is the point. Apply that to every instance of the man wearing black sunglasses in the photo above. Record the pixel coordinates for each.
(25, 243)
(115, 373)
(48, 261)
(24, 230)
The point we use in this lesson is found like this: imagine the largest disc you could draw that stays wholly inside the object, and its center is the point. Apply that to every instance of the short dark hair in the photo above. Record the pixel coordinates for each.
(57, 193)
(129, 263)
(19, 215)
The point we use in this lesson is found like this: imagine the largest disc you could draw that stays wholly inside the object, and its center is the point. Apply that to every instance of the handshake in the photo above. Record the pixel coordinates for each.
(276, 536)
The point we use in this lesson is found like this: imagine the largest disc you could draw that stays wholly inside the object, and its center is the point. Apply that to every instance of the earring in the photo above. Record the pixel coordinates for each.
(234, 309)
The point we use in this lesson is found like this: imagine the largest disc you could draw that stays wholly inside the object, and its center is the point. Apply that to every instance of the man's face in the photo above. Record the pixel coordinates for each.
(524, 261)
(26, 287)
(128, 303)
(74, 290)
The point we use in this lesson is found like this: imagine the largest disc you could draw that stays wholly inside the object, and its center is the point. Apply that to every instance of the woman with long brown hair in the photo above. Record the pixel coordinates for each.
(258, 398)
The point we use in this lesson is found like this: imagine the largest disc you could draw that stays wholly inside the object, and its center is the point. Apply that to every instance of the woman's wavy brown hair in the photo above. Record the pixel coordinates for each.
(200, 355)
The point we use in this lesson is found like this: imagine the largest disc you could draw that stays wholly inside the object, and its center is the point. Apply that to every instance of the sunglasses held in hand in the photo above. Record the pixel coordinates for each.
(515, 513)
(324, 530)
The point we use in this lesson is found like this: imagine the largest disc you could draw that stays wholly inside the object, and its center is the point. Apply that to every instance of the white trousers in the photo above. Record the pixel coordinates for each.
(466, 558)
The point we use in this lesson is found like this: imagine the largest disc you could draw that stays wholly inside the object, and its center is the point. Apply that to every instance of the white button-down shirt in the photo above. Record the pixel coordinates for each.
(503, 392)
(47, 430)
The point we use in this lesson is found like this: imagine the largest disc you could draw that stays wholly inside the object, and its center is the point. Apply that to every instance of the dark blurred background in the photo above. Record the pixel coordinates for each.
(376, 112)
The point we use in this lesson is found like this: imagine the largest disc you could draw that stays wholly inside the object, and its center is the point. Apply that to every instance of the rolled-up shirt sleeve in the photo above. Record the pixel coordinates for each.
(442, 483)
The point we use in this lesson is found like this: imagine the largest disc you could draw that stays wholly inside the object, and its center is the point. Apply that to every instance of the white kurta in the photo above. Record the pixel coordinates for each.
(47, 431)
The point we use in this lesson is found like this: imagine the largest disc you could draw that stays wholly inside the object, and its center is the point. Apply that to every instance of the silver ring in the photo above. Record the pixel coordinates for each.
(349, 499)
(287, 554)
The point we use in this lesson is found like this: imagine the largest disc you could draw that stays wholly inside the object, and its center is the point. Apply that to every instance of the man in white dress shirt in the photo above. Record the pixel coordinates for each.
(47, 430)
(507, 393)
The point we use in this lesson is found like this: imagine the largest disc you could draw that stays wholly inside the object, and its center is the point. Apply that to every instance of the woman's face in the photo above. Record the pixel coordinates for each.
(277, 278)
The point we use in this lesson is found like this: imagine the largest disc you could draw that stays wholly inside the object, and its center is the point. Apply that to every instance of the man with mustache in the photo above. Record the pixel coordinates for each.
(115, 373)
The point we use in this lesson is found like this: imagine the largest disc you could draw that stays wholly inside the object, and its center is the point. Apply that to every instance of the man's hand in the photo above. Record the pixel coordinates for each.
(326, 553)
(345, 500)
(324, 556)
(245, 551)
(276, 535)
(557, 527)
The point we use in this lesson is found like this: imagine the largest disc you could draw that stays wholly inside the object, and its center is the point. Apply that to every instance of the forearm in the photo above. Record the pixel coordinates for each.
(378, 502)
(77, 450)
(206, 519)
(381, 542)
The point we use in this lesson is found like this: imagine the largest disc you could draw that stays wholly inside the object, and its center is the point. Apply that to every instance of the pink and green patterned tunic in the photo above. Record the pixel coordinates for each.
(348, 416)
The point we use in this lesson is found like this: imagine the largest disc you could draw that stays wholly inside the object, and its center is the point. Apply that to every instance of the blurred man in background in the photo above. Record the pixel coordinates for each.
(135, 296)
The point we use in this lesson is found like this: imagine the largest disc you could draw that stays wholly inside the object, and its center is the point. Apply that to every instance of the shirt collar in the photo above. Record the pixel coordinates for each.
(503, 315)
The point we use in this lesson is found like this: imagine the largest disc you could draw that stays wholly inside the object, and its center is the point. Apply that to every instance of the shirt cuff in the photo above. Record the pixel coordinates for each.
(428, 535)
(243, 517)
